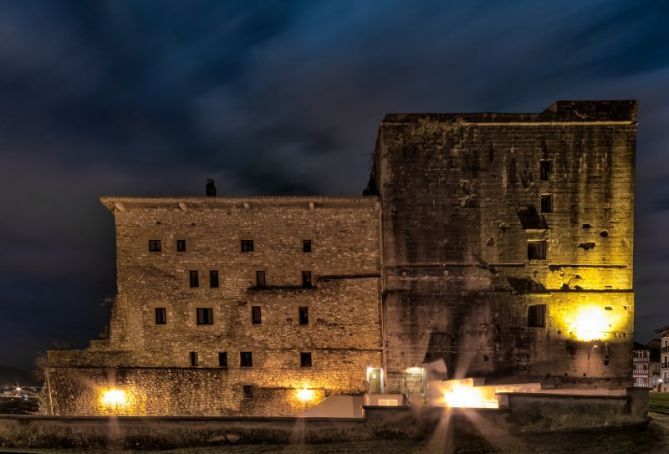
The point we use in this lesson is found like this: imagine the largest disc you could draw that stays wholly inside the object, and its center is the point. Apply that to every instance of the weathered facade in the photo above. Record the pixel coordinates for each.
(215, 313)
(507, 242)
(498, 243)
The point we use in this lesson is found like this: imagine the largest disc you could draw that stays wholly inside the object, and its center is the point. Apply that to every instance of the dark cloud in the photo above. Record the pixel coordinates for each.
(152, 97)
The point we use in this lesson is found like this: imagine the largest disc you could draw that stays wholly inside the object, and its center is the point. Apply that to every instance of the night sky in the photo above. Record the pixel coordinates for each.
(276, 97)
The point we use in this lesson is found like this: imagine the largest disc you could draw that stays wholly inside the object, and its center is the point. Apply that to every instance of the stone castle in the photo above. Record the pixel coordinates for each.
(486, 245)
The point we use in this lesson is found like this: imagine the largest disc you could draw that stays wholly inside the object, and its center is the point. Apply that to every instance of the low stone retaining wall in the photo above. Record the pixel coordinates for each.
(521, 413)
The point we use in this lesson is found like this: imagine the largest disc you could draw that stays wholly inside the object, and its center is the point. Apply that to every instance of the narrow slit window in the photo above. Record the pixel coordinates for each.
(222, 359)
(256, 315)
(536, 316)
(205, 316)
(304, 315)
(245, 359)
(305, 359)
(547, 203)
(213, 279)
(193, 359)
(306, 246)
(261, 282)
(306, 279)
(154, 246)
(536, 250)
(161, 315)
(248, 391)
(545, 169)
(181, 245)
(247, 245)
(194, 278)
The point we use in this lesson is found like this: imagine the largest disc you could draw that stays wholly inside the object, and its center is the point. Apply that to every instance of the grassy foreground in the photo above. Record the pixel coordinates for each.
(659, 401)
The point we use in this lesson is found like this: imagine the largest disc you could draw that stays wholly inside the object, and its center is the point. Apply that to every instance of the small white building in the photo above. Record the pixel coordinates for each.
(664, 358)
(641, 365)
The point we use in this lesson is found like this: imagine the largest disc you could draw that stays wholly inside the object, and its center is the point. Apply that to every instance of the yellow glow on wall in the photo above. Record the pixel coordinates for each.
(120, 401)
(590, 323)
(113, 398)
(467, 397)
(305, 395)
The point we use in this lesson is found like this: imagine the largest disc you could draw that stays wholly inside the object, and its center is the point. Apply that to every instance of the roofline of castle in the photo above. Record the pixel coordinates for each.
(584, 113)
(120, 202)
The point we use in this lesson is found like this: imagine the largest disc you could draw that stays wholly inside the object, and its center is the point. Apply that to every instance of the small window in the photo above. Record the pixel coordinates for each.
(248, 391)
(260, 279)
(536, 316)
(304, 315)
(305, 359)
(306, 246)
(213, 279)
(154, 246)
(193, 359)
(245, 359)
(194, 278)
(306, 279)
(181, 245)
(256, 315)
(536, 250)
(247, 245)
(205, 316)
(547, 203)
(545, 169)
(161, 315)
(222, 359)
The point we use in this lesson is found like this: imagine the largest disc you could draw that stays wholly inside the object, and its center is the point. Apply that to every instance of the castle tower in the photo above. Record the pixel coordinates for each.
(507, 243)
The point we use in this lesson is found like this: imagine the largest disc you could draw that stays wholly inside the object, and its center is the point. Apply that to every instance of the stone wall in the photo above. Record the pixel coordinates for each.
(152, 362)
(461, 198)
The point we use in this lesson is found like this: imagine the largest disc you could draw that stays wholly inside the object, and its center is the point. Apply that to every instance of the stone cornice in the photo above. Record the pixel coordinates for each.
(123, 203)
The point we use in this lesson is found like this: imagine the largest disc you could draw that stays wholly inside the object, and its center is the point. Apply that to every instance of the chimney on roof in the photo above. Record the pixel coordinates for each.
(211, 188)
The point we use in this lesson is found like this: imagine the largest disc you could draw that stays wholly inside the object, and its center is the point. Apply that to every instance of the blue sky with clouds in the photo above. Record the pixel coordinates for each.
(152, 97)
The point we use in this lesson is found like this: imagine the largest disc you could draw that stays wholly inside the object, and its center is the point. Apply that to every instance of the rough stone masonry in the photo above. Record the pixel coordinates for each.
(500, 244)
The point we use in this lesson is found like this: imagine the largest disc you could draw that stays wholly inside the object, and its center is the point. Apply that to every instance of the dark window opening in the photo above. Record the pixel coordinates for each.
(194, 278)
(306, 246)
(245, 359)
(547, 203)
(536, 250)
(193, 359)
(213, 279)
(248, 391)
(305, 359)
(247, 245)
(205, 316)
(545, 169)
(536, 316)
(304, 315)
(154, 246)
(222, 359)
(256, 315)
(306, 279)
(260, 279)
(161, 316)
(181, 245)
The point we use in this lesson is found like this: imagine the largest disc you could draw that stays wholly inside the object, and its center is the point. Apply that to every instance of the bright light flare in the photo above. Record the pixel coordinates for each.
(591, 324)
(114, 398)
(305, 394)
(467, 397)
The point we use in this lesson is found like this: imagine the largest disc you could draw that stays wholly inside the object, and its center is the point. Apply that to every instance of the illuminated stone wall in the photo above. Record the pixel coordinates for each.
(151, 360)
(435, 267)
(461, 199)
